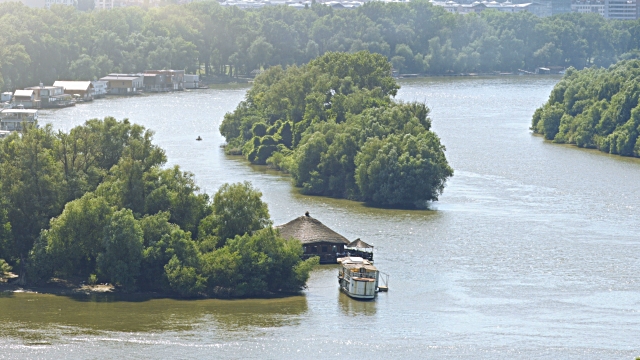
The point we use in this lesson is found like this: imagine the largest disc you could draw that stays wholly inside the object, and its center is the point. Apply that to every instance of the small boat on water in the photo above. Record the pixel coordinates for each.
(358, 278)
(198, 138)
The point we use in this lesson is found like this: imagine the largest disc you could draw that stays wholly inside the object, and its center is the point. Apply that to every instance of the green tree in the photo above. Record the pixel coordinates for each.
(259, 264)
(32, 180)
(122, 241)
(75, 238)
(238, 209)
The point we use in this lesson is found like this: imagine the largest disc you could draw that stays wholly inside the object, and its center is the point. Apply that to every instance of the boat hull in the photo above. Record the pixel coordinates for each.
(356, 296)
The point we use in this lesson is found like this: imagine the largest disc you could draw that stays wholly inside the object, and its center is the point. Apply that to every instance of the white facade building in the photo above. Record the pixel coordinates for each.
(587, 8)
(99, 88)
(48, 3)
(621, 9)
(191, 81)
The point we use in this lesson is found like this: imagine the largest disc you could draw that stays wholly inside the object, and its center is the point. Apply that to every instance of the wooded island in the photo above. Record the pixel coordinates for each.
(96, 204)
(334, 126)
(595, 108)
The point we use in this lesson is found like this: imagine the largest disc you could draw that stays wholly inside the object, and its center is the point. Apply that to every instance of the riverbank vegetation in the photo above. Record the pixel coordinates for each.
(595, 108)
(334, 126)
(39, 45)
(96, 204)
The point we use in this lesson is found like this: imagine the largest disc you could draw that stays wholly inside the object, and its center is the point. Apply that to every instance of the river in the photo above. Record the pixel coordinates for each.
(532, 251)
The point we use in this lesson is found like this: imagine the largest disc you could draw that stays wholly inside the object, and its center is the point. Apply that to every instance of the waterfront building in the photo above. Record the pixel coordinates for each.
(163, 80)
(191, 81)
(82, 90)
(123, 84)
(6, 96)
(316, 238)
(99, 88)
(47, 96)
(26, 98)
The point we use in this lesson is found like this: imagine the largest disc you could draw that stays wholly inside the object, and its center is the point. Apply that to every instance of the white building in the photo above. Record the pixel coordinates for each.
(588, 7)
(621, 9)
(191, 81)
(477, 7)
(112, 4)
(99, 88)
(29, 3)
(48, 3)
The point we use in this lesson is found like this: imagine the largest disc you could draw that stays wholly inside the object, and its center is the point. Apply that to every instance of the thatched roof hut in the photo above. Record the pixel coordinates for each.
(310, 231)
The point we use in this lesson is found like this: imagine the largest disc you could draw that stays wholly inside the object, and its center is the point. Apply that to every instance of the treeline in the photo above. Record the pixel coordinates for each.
(63, 43)
(333, 125)
(96, 204)
(595, 108)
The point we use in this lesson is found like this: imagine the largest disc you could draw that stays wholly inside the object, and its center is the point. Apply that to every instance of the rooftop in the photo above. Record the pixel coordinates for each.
(309, 230)
(74, 85)
(23, 93)
(121, 77)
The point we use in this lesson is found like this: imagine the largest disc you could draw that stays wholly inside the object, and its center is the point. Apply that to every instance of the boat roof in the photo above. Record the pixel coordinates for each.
(356, 262)
(19, 111)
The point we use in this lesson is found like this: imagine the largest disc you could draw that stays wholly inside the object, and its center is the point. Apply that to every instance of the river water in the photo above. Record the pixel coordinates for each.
(532, 251)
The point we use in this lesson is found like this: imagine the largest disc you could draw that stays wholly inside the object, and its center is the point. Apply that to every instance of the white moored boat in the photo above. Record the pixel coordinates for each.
(358, 277)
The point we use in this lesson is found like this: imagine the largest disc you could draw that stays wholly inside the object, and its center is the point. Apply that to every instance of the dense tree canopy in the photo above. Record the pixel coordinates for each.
(96, 203)
(334, 126)
(66, 44)
(595, 108)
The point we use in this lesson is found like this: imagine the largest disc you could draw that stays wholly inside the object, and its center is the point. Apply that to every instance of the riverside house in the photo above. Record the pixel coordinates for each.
(191, 81)
(80, 90)
(26, 98)
(124, 84)
(163, 80)
(316, 238)
(48, 96)
(99, 89)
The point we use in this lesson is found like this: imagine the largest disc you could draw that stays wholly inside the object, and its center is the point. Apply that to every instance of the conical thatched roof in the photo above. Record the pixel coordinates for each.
(357, 243)
(309, 230)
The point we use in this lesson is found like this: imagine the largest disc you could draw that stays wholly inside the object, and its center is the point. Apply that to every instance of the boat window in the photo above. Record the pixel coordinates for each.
(304, 249)
(314, 249)
(324, 249)
(334, 249)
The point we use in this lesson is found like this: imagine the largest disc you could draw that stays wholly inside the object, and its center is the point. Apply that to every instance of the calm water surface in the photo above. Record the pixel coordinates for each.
(532, 251)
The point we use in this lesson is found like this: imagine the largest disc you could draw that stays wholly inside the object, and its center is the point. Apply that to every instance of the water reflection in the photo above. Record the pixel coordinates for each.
(35, 318)
(353, 307)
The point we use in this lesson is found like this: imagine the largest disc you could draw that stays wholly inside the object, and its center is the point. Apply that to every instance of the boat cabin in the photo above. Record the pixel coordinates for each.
(12, 119)
(358, 278)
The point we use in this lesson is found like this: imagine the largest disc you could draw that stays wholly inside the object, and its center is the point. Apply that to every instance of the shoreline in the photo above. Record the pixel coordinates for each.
(61, 287)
